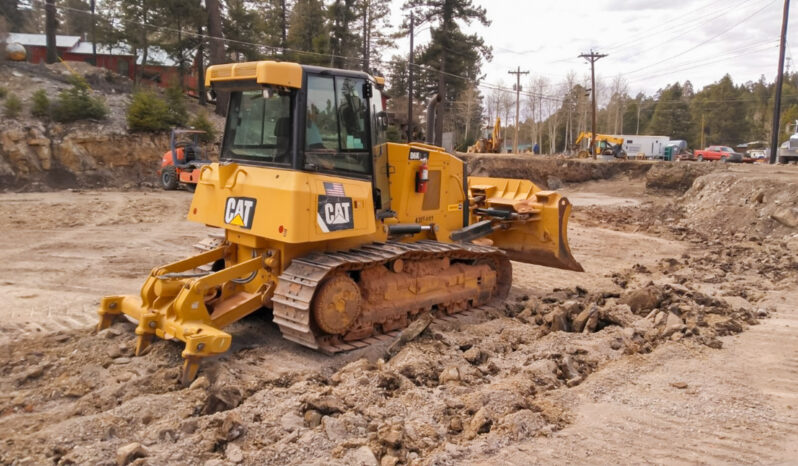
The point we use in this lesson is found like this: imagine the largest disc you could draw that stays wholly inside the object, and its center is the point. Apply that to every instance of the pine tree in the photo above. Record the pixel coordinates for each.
(671, 114)
(345, 43)
(724, 113)
(307, 32)
(76, 20)
(375, 35)
(453, 58)
(243, 27)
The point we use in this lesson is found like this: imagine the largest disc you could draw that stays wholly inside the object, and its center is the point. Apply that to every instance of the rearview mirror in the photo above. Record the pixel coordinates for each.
(382, 120)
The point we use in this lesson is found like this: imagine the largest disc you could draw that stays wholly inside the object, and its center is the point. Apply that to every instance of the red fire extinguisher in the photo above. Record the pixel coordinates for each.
(422, 177)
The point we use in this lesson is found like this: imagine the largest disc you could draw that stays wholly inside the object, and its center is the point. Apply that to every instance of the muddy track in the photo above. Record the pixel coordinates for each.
(299, 282)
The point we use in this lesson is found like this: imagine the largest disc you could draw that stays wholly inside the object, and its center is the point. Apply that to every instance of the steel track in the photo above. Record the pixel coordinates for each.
(297, 285)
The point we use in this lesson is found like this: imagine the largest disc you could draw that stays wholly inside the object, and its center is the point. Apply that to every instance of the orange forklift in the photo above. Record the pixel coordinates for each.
(181, 164)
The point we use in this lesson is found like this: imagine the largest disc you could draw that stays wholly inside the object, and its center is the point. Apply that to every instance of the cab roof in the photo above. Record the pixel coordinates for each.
(276, 73)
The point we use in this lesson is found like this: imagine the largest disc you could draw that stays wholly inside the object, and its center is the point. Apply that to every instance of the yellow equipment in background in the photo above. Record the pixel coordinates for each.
(488, 143)
(343, 235)
(604, 144)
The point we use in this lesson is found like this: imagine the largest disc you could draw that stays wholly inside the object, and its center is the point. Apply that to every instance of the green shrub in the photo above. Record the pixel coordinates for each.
(3, 92)
(148, 112)
(392, 134)
(178, 115)
(201, 122)
(12, 107)
(77, 104)
(41, 104)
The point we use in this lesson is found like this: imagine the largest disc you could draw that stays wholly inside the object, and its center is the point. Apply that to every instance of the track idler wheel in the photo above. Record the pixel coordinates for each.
(336, 305)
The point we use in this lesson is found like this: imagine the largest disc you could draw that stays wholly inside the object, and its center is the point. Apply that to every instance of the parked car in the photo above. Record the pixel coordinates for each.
(722, 153)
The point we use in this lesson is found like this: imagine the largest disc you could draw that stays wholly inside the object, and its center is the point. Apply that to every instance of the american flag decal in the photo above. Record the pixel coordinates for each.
(334, 189)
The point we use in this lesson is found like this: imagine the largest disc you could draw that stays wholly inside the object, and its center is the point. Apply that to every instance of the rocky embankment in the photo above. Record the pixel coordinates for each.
(41, 157)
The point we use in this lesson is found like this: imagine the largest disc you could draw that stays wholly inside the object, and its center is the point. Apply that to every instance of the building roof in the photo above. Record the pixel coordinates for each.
(75, 44)
(156, 56)
(84, 48)
(40, 40)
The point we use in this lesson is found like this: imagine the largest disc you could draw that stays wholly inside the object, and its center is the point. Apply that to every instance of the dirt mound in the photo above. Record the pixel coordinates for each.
(552, 171)
(733, 207)
(678, 177)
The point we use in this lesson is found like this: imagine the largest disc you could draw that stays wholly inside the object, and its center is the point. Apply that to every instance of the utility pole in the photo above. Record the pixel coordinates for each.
(410, 83)
(593, 57)
(702, 131)
(93, 34)
(774, 137)
(284, 27)
(202, 99)
(517, 74)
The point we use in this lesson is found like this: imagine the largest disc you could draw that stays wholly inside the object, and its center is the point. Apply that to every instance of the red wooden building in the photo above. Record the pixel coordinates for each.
(73, 48)
(160, 69)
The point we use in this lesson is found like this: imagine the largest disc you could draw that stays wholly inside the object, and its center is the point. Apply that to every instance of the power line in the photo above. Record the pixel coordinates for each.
(685, 66)
(684, 26)
(729, 29)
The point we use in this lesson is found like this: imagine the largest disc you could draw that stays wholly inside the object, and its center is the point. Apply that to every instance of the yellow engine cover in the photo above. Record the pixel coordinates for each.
(263, 203)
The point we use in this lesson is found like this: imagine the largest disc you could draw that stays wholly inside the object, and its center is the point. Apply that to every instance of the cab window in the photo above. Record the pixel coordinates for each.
(336, 130)
(259, 127)
(322, 125)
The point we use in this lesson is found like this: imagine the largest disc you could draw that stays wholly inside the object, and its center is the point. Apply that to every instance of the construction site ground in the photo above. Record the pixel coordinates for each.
(676, 345)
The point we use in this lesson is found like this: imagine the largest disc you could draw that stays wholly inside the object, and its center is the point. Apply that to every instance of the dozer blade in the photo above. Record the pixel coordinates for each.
(529, 224)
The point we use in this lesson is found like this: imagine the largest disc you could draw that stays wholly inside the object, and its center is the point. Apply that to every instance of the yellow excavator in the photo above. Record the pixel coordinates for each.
(346, 237)
(605, 145)
(489, 143)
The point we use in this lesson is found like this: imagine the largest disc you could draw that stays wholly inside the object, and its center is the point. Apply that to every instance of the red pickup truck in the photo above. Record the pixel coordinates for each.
(722, 153)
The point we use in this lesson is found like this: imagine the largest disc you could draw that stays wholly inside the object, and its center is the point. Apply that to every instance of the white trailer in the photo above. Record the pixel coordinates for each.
(653, 147)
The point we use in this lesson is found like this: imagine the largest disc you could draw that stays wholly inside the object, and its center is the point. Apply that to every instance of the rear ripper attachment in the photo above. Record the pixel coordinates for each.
(177, 302)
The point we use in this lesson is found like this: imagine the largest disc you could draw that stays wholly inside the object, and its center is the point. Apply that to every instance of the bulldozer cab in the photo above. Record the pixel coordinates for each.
(332, 122)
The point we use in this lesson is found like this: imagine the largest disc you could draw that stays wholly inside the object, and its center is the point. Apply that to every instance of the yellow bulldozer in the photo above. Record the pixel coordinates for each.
(605, 145)
(344, 236)
(490, 142)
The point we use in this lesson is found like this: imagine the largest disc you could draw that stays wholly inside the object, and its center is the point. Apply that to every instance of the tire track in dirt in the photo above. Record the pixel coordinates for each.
(66, 250)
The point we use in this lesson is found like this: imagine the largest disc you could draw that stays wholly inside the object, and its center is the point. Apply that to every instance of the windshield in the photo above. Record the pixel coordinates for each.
(259, 127)
(336, 132)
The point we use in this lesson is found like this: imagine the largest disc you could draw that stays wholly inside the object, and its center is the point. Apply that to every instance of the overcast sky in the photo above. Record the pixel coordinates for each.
(651, 43)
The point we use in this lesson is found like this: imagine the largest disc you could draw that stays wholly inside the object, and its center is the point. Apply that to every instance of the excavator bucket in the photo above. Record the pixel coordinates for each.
(529, 224)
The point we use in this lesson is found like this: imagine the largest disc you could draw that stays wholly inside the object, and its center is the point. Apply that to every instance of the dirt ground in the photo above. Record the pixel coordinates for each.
(676, 345)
